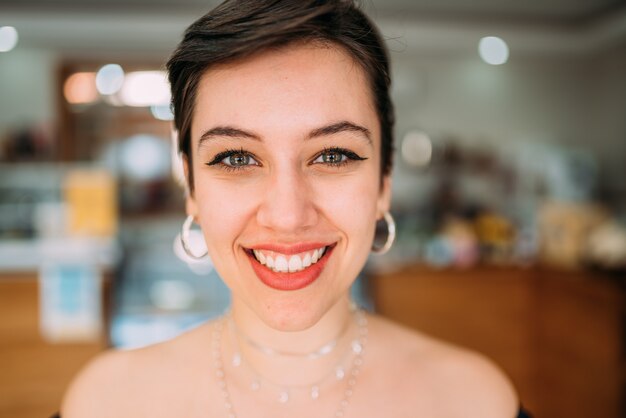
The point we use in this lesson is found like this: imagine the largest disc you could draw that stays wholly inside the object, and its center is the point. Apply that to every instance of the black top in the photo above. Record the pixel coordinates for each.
(520, 414)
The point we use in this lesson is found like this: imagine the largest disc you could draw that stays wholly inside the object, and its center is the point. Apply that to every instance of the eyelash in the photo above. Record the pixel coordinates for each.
(350, 156)
(219, 158)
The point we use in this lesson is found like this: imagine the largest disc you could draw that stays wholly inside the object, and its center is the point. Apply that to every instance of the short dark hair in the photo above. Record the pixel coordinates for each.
(238, 29)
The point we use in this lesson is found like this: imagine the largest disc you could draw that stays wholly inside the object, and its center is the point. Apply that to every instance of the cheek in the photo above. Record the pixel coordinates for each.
(350, 207)
(223, 212)
(350, 204)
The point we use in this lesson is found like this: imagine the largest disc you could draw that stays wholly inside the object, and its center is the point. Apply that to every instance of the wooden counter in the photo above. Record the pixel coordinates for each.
(33, 373)
(559, 336)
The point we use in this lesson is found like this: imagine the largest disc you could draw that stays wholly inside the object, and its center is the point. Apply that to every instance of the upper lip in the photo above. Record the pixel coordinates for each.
(289, 249)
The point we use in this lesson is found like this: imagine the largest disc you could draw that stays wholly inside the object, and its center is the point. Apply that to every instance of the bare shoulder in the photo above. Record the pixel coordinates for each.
(116, 382)
(95, 385)
(454, 381)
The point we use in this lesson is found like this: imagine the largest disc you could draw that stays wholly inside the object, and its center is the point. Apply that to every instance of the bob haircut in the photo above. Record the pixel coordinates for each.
(237, 29)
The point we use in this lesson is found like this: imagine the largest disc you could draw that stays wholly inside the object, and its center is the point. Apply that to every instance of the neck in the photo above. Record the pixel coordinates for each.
(296, 369)
(306, 338)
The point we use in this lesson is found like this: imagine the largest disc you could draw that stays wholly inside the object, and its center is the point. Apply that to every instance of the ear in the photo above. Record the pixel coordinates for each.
(191, 206)
(384, 197)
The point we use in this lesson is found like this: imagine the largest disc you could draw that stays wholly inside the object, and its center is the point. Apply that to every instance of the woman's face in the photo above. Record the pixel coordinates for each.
(286, 156)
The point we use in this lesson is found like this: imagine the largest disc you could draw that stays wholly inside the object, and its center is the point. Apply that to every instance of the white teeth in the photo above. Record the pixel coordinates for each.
(284, 263)
(306, 261)
(281, 264)
(295, 264)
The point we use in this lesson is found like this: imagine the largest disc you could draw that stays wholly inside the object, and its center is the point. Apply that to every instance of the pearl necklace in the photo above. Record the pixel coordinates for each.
(357, 348)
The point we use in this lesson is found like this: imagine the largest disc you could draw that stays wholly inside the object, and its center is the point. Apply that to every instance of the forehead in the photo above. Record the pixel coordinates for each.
(300, 85)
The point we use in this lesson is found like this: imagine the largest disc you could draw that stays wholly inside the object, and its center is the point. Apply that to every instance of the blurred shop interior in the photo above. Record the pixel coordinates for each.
(509, 191)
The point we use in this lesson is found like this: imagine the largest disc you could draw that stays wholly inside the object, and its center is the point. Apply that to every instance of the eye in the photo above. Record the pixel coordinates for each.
(238, 160)
(336, 157)
(331, 157)
(234, 159)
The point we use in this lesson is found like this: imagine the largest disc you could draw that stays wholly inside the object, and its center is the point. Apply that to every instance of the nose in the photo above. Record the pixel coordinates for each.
(287, 205)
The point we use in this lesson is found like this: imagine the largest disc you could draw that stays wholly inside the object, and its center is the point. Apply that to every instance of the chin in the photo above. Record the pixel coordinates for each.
(292, 314)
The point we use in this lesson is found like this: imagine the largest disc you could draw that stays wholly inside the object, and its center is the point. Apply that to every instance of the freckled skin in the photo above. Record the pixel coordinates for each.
(281, 96)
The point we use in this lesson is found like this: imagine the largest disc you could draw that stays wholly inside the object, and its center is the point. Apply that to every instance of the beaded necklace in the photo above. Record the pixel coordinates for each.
(357, 348)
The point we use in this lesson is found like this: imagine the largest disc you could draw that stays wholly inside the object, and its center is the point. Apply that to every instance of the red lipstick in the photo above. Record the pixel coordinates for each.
(290, 248)
(285, 280)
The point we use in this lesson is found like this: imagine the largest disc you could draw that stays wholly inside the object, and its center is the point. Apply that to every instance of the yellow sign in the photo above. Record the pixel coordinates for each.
(91, 196)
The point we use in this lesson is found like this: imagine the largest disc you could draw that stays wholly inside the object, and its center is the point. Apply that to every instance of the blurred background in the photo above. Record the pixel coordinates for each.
(509, 191)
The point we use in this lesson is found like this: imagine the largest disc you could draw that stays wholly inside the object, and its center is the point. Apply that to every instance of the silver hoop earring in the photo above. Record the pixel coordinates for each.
(391, 235)
(184, 239)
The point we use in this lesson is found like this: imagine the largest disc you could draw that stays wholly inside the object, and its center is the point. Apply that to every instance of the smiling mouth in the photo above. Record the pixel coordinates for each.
(288, 263)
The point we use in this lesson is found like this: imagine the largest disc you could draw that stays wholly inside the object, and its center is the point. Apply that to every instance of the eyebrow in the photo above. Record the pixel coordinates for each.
(343, 126)
(332, 129)
(227, 131)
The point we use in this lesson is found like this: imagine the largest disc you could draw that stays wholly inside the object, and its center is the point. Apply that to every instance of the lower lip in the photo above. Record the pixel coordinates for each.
(289, 281)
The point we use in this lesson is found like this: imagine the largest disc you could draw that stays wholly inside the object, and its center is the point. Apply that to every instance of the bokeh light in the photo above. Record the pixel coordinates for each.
(162, 112)
(417, 148)
(493, 50)
(109, 79)
(80, 88)
(8, 38)
(145, 158)
(145, 88)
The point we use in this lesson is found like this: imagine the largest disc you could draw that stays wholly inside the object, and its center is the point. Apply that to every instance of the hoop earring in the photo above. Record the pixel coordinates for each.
(391, 235)
(184, 238)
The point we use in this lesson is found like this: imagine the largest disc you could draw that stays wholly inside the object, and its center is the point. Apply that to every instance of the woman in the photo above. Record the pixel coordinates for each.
(285, 127)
